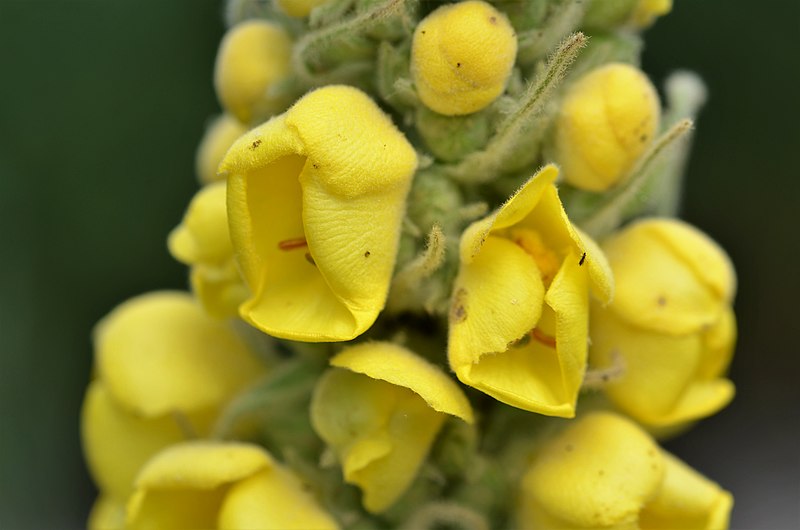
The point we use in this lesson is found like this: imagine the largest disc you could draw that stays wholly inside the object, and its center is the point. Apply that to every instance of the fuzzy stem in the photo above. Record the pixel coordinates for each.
(482, 166)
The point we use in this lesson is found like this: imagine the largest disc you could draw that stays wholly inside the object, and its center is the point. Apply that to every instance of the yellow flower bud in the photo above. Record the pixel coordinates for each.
(607, 119)
(299, 8)
(316, 198)
(164, 370)
(520, 308)
(603, 471)
(461, 57)
(202, 241)
(221, 485)
(219, 136)
(253, 56)
(380, 410)
(670, 323)
(646, 11)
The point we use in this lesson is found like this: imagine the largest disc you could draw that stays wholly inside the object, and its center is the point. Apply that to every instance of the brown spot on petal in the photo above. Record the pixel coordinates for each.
(493, 20)
(367, 254)
(458, 311)
(255, 144)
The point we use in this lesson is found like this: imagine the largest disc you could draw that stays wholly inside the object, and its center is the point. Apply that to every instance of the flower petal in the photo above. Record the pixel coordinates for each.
(272, 498)
(598, 473)
(318, 175)
(117, 444)
(159, 352)
(660, 289)
(687, 500)
(381, 432)
(662, 382)
(401, 367)
(202, 236)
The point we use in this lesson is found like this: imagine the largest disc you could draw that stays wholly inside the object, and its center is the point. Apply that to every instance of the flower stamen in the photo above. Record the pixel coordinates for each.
(291, 244)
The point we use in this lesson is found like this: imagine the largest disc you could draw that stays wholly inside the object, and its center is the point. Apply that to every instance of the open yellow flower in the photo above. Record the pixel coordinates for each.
(461, 57)
(671, 323)
(607, 120)
(603, 471)
(316, 198)
(164, 370)
(519, 315)
(380, 410)
(233, 486)
(202, 242)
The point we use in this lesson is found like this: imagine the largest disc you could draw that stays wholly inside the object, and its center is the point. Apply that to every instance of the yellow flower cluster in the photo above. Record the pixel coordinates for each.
(497, 277)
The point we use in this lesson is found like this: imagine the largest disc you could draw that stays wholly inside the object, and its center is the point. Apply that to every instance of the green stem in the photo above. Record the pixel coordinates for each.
(482, 166)
(626, 198)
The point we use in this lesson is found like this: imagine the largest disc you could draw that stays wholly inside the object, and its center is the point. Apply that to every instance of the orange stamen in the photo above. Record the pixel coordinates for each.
(291, 244)
(544, 338)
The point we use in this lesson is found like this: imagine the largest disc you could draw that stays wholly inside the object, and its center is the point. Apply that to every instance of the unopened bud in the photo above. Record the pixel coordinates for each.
(462, 56)
(607, 120)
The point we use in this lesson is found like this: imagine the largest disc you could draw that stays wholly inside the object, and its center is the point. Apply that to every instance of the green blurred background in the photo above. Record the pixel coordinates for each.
(102, 104)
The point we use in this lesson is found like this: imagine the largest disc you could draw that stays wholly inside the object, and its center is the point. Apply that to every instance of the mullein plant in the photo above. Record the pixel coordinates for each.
(437, 280)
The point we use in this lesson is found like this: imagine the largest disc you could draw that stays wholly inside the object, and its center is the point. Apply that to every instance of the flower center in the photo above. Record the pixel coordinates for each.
(531, 242)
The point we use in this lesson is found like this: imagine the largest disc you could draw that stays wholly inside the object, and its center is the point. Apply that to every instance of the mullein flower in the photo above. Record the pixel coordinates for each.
(451, 68)
(603, 471)
(202, 242)
(671, 324)
(519, 315)
(606, 121)
(164, 370)
(380, 409)
(253, 58)
(221, 485)
(219, 136)
(316, 197)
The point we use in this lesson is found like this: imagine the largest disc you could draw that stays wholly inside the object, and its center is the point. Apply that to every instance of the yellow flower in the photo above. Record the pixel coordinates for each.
(219, 136)
(254, 56)
(519, 314)
(646, 11)
(380, 410)
(299, 8)
(163, 368)
(671, 323)
(202, 242)
(221, 485)
(316, 198)
(603, 471)
(453, 70)
(607, 120)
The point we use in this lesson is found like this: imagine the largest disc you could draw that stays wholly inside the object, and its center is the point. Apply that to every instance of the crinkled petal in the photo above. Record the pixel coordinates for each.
(687, 500)
(160, 352)
(497, 299)
(568, 297)
(598, 473)
(401, 367)
(513, 211)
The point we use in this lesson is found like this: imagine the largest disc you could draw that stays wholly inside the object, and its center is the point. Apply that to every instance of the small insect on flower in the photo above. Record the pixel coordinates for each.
(583, 258)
